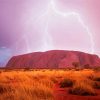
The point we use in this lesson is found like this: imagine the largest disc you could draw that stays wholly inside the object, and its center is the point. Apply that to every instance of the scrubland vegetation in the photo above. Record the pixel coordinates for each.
(39, 84)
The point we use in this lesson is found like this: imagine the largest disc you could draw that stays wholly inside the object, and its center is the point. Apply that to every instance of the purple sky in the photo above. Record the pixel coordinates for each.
(40, 25)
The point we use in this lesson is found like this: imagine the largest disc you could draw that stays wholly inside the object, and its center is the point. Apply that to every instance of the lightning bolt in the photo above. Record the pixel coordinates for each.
(47, 40)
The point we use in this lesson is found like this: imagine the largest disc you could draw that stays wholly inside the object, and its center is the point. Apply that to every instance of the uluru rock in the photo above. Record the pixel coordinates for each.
(53, 59)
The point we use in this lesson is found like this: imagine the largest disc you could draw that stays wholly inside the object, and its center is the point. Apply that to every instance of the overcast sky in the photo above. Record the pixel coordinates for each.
(40, 25)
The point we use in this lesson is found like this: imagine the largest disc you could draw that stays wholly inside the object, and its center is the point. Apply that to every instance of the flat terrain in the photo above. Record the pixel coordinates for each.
(49, 84)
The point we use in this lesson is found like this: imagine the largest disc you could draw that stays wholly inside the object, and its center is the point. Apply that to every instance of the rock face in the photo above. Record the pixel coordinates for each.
(53, 59)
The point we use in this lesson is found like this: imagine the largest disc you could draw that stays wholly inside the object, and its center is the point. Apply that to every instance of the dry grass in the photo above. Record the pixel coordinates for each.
(25, 85)
(38, 84)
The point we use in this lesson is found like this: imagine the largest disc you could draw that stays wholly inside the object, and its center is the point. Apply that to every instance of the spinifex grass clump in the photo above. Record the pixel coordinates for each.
(97, 79)
(82, 88)
(37, 91)
(4, 88)
(66, 83)
(96, 85)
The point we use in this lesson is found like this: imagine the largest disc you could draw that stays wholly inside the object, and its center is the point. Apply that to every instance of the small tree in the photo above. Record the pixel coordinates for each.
(87, 66)
(76, 64)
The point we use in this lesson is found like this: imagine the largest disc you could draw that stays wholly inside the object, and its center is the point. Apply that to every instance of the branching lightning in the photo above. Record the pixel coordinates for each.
(47, 42)
(52, 7)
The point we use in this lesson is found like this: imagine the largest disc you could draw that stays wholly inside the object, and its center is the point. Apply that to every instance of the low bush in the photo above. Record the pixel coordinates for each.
(66, 83)
(97, 79)
(96, 85)
(82, 89)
